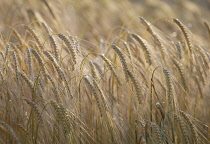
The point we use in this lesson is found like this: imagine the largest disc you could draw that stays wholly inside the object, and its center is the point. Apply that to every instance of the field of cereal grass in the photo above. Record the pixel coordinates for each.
(104, 72)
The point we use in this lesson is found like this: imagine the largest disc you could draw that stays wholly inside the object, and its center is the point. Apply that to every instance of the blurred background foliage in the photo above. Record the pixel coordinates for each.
(96, 19)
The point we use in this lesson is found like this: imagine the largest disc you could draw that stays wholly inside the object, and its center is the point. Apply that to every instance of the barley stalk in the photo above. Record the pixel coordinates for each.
(18, 36)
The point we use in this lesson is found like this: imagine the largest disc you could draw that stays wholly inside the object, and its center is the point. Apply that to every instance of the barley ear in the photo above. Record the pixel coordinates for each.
(145, 48)
(62, 116)
(207, 26)
(170, 93)
(157, 131)
(108, 62)
(16, 66)
(183, 128)
(10, 130)
(136, 84)
(122, 59)
(52, 40)
(154, 35)
(93, 71)
(35, 108)
(34, 35)
(29, 62)
(6, 52)
(27, 80)
(181, 72)
(94, 93)
(70, 47)
(192, 127)
(185, 33)
(59, 71)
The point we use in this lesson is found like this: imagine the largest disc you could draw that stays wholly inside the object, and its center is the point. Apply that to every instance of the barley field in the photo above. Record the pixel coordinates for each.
(104, 72)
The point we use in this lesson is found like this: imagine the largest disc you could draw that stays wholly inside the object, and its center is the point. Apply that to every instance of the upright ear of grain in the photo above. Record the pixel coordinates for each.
(122, 59)
(29, 62)
(93, 71)
(16, 66)
(170, 93)
(6, 52)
